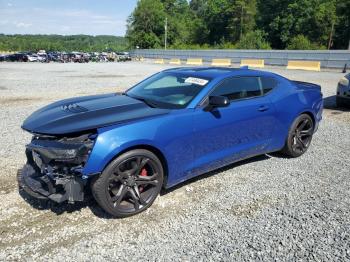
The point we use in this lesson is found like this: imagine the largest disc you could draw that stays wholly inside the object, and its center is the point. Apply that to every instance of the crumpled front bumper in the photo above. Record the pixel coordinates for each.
(41, 186)
(54, 168)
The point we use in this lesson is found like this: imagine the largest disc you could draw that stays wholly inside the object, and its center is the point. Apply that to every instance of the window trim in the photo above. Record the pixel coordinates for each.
(205, 98)
(269, 92)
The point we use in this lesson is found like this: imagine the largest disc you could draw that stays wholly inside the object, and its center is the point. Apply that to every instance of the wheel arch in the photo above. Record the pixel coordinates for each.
(303, 112)
(150, 148)
(310, 114)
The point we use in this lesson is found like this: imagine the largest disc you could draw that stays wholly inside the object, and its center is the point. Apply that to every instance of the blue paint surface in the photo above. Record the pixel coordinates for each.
(191, 140)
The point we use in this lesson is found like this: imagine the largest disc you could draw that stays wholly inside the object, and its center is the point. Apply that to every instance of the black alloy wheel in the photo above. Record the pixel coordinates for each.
(129, 184)
(299, 136)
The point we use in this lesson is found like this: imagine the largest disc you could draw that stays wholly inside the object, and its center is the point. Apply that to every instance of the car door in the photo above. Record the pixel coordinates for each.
(227, 134)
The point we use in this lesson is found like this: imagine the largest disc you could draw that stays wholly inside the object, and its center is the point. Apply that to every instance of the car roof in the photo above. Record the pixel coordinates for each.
(213, 72)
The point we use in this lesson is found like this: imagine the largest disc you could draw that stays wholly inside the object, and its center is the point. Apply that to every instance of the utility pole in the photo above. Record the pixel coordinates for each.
(166, 32)
(240, 37)
(330, 43)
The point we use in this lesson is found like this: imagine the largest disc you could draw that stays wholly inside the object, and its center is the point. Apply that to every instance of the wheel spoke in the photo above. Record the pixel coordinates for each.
(295, 141)
(150, 180)
(120, 172)
(137, 192)
(147, 178)
(114, 178)
(295, 147)
(134, 168)
(147, 182)
(141, 162)
(117, 198)
(306, 132)
(301, 142)
(295, 144)
(303, 124)
(136, 197)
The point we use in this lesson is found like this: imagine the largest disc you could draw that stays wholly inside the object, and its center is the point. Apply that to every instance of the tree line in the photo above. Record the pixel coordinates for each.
(243, 24)
(83, 43)
(200, 24)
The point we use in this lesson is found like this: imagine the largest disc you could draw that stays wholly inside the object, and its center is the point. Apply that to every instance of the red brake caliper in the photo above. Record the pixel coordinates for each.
(143, 173)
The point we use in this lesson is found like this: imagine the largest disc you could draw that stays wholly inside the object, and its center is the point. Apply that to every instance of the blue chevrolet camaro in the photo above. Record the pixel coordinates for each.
(172, 126)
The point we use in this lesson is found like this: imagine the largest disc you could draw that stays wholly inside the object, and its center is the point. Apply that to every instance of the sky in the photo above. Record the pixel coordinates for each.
(65, 17)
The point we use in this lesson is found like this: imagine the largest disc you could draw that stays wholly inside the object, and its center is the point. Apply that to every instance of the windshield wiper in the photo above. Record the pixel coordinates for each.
(146, 101)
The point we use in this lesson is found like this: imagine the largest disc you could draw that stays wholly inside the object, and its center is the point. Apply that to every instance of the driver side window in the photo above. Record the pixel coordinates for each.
(239, 88)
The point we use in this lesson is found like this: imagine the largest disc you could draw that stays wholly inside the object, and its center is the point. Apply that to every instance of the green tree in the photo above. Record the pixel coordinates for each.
(342, 28)
(199, 32)
(284, 19)
(61, 43)
(253, 40)
(228, 20)
(323, 21)
(179, 21)
(301, 42)
(146, 24)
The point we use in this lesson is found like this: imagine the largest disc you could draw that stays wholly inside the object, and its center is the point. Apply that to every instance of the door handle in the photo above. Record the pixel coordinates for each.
(263, 108)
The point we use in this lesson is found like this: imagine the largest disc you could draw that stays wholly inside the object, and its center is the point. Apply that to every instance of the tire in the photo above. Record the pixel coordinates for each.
(299, 136)
(129, 184)
(341, 103)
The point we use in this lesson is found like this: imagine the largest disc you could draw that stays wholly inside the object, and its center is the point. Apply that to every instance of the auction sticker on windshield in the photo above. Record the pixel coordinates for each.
(196, 81)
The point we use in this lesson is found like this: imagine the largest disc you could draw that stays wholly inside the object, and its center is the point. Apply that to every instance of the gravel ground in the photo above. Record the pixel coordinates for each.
(266, 208)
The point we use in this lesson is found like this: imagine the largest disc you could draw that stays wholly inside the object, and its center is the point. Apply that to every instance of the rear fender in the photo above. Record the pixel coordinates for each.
(294, 101)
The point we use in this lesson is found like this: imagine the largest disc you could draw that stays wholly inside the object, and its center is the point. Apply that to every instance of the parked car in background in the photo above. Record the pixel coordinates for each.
(111, 56)
(79, 57)
(343, 92)
(173, 126)
(66, 57)
(76, 57)
(123, 56)
(18, 57)
(54, 56)
(103, 57)
(3, 58)
(42, 57)
(32, 57)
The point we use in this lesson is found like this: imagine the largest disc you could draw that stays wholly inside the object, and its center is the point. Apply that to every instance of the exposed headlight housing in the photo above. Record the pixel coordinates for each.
(69, 150)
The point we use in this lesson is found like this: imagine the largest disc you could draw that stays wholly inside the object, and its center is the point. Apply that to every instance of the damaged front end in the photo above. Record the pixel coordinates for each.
(54, 168)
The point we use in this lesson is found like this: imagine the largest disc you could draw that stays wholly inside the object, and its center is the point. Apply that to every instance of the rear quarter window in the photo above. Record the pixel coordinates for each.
(268, 83)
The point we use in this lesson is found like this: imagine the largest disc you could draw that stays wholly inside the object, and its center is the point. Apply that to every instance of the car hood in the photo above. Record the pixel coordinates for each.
(87, 113)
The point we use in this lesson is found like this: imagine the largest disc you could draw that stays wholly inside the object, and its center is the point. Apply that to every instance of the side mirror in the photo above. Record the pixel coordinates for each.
(216, 101)
(219, 101)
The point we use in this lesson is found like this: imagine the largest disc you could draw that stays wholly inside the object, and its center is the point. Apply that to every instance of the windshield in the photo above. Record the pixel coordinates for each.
(168, 89)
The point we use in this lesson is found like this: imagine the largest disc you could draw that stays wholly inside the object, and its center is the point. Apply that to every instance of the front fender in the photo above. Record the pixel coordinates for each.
(111, 141)
(171, 134)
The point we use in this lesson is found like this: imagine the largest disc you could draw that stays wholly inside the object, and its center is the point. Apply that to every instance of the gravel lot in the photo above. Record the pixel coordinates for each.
(267, 208)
